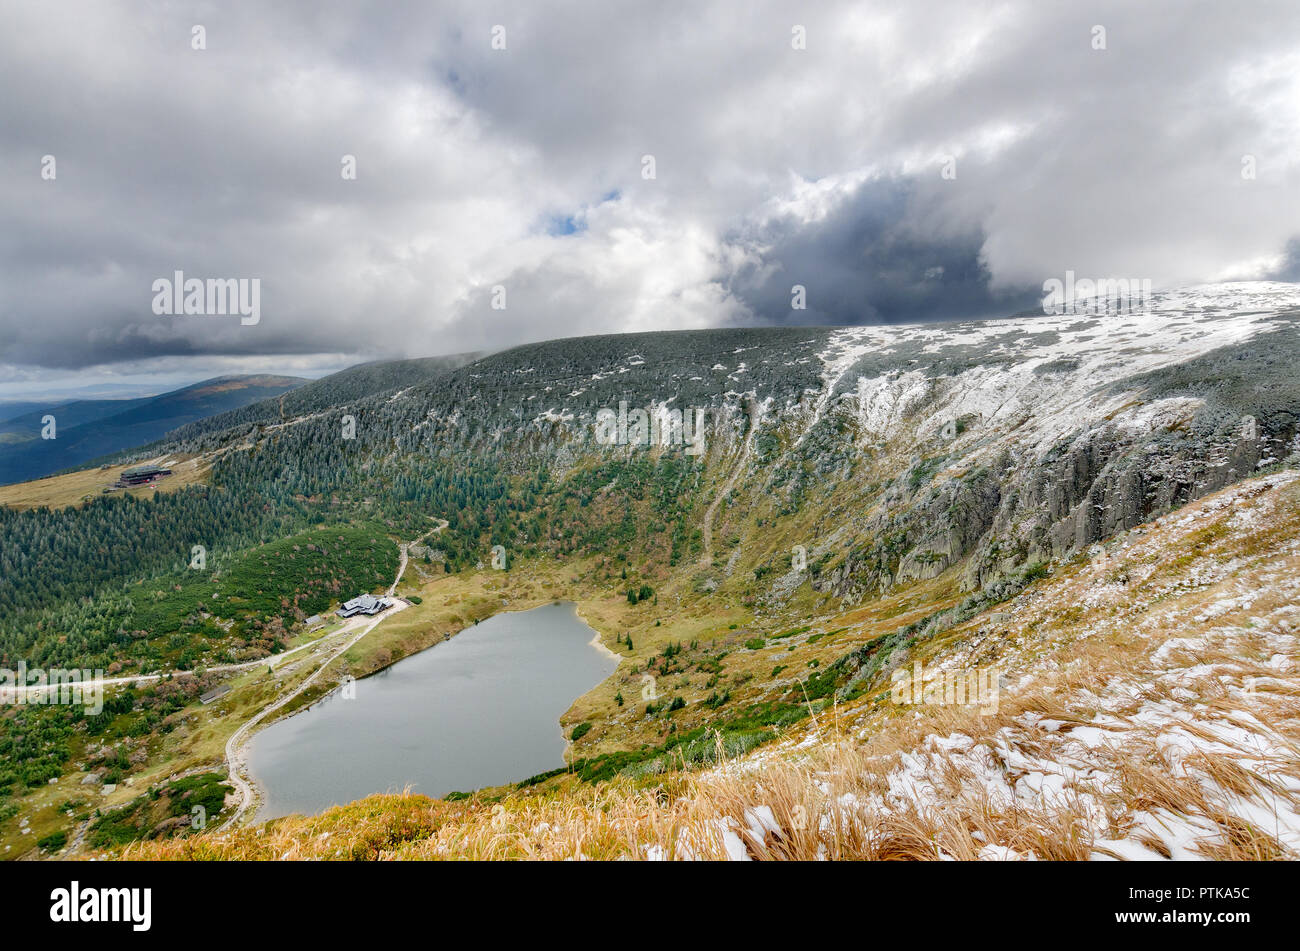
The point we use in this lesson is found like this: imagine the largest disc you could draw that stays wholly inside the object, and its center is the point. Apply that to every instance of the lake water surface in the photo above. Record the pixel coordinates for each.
(481, 709)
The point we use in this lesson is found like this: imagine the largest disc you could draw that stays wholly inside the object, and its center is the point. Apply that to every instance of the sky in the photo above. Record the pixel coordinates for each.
(417, 179)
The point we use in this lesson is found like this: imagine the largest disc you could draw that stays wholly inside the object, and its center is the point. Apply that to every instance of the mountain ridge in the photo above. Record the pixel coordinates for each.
(89, 429)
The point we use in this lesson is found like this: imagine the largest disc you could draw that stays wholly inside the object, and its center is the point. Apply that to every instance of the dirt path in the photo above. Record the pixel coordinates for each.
(234, 760)
(358, 627)
(405, 548)
(235, 763)
(274, 660)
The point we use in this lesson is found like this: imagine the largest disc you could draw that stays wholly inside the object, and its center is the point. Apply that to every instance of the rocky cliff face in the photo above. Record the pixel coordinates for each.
(1026, 441)
(890, 454)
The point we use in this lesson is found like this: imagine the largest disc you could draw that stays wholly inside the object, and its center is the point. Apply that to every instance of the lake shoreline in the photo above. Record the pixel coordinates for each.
(489, 710)
(596, 640)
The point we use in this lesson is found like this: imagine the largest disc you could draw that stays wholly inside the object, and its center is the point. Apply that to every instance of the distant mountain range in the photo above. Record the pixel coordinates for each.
(87, 429)
(19, 408)
(15, 405)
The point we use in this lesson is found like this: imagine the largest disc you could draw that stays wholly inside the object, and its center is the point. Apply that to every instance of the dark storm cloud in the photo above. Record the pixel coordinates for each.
(868, 262)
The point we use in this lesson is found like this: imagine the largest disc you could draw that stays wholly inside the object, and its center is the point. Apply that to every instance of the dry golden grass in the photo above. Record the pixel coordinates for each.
(75, 488)
(618, 820)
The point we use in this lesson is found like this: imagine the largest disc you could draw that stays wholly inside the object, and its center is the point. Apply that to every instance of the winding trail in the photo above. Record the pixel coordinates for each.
(234, 762)
(275, 660)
